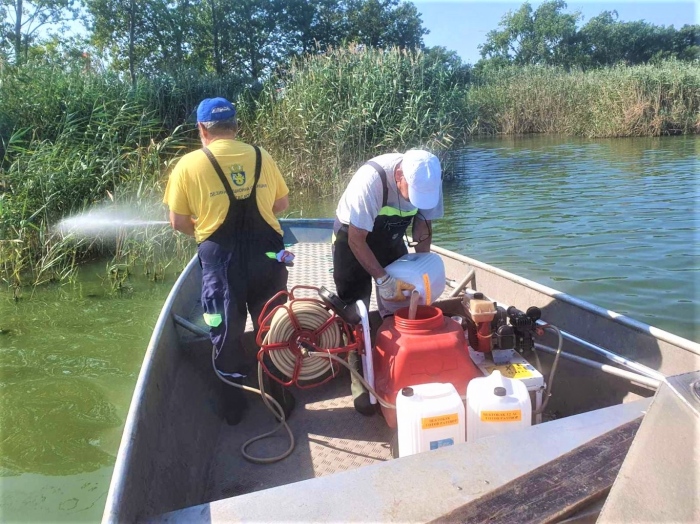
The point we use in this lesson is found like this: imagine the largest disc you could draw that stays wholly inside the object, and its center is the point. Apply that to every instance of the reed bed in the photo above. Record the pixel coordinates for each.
(72, 138)
(80, 141)
(331, 112)
(615, 102)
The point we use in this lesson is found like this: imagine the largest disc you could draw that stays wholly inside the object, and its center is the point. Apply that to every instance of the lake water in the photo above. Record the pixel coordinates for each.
(611, 221)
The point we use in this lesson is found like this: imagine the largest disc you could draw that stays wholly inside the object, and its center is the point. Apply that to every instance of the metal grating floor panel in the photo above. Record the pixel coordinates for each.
(330, 437)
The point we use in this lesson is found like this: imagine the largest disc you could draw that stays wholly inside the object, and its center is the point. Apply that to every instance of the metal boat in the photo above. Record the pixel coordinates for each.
(180, 462)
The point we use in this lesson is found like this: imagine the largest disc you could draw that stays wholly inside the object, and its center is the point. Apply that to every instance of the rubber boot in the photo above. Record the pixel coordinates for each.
(282, 395)
(360, 395)
(235, 402)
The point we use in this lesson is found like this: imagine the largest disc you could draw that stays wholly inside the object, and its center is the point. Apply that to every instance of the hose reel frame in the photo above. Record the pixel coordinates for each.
(303, 336)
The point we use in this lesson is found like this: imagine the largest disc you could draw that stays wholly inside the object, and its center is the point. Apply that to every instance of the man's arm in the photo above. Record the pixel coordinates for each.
(182, 223)
(280, 204)
(423, 234)
(357, 240)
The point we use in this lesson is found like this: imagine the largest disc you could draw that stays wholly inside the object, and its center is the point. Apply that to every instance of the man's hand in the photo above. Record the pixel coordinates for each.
(182, 223)
(392, 289)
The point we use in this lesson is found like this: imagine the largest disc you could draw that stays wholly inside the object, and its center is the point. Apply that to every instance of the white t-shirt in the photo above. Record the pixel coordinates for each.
(362, 199)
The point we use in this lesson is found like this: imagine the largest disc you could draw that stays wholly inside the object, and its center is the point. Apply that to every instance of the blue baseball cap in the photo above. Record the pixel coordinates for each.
(214, 109)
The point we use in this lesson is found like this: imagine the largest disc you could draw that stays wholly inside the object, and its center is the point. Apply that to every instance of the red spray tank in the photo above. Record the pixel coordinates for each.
(430, 348)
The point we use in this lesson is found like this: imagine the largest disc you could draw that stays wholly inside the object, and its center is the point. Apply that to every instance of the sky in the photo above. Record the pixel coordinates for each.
(461, 25)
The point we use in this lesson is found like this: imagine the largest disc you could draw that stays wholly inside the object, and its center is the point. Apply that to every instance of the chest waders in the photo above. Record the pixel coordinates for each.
(353, 283)
(237, 277)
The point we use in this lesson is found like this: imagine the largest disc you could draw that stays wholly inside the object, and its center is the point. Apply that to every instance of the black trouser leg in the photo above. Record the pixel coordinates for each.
(267, 277)
(353, 283)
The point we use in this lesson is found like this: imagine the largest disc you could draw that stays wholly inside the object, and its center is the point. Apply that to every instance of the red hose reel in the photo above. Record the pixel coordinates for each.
(303, 322)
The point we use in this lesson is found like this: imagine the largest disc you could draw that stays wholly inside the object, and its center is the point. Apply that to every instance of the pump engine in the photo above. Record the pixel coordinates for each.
(492, 327)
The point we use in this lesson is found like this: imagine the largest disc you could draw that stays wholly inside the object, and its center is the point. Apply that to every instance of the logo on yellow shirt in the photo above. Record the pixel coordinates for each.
(237, 175)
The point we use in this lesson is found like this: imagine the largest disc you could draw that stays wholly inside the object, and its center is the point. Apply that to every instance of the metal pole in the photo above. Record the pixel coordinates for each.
(613, 357)
(462, 284)
(605, 368)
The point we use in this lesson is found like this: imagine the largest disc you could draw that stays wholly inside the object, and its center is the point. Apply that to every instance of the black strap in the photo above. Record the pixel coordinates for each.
(222, 177)
(258, 168)
(382, 174)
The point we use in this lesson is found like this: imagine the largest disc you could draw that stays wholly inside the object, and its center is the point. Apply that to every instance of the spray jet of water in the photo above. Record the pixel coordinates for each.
(104, 222)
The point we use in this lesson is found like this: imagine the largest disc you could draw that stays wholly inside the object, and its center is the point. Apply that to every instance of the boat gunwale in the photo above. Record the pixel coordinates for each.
(618, 318)
(111, 513)
(117, 484)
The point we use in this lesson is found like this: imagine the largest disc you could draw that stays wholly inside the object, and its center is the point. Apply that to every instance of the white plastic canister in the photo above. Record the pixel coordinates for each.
(496, 404)
(426, 271)
(429, 416)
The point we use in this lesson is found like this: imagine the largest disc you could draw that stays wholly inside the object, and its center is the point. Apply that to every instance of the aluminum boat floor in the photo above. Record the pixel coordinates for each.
(330, 437)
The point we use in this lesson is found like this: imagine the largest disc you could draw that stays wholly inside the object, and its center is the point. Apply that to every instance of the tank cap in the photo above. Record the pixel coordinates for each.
(499, 391)
(407, 392)
(478, 295)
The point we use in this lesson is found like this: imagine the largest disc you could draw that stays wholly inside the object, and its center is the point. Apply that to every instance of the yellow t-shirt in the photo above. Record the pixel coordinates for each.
(195, 189)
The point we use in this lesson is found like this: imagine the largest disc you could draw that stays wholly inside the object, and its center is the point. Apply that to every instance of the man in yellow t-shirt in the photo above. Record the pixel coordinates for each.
(234, 190)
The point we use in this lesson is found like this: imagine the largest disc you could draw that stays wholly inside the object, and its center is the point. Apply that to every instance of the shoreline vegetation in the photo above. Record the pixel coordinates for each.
(75, 136)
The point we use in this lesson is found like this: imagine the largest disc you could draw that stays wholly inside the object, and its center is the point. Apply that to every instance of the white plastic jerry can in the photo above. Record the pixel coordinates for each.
(426, 271)
(496, 404)
(429, 416)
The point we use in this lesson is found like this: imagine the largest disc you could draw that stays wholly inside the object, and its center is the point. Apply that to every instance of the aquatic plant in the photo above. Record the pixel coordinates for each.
(645, 100)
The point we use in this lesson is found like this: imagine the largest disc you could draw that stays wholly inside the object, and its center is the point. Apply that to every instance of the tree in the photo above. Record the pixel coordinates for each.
(144, 35)
(528, 37)
(24, 18)
(384, 24)
(248, 37)
(256, 35)
(606, 41)
(319, 25)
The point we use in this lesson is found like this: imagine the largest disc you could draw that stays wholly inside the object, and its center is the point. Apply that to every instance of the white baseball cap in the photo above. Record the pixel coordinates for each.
(423, 174)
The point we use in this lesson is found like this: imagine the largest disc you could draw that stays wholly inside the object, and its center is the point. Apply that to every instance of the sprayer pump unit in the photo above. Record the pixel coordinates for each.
(491, 327)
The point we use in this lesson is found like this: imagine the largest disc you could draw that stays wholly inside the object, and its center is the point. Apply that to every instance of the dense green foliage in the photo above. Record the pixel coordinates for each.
(74, 138)
(550, 36)
(22, 20)
(338, 109)
(322, 85)
(249, 38)
(643, 100)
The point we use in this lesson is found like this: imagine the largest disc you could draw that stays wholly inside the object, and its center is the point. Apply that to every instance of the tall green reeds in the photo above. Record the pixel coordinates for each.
(73, 137)
(334, 111)
(647, 100)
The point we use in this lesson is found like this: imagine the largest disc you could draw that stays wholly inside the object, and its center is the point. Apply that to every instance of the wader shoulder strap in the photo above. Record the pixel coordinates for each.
(382, 174)
(222, 177)
(258, 169)
(219, 172)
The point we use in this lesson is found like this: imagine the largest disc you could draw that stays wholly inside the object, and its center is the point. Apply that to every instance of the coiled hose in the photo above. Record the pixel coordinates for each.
(310, 315)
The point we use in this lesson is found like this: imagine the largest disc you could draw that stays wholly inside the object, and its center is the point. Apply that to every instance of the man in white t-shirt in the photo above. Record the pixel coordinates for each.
(385, 196)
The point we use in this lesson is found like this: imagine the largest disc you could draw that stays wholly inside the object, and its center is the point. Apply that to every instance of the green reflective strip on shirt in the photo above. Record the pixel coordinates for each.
(389, 211)
(270, 254)
(212, 320)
